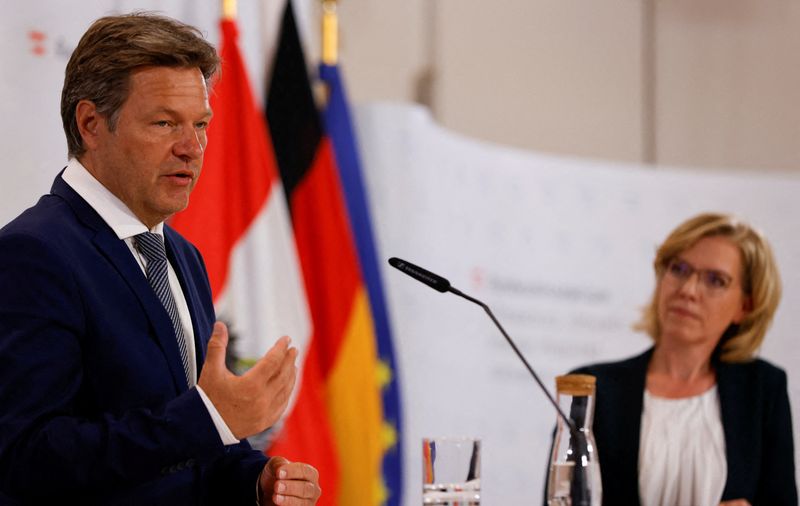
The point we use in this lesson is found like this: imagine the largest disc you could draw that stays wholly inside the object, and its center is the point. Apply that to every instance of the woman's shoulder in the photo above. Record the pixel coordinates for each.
(757, 370)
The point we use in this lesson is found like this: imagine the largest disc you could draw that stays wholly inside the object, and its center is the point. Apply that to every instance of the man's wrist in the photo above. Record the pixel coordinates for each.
(223, 430)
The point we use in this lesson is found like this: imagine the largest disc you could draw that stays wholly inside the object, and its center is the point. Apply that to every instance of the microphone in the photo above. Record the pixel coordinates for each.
(442, 285)
(434, 281)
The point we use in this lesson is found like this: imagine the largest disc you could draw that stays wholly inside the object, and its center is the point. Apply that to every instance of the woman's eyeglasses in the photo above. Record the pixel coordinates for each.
(713, 281)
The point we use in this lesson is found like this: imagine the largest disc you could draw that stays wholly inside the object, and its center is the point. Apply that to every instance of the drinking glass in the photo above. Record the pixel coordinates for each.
(451, 471)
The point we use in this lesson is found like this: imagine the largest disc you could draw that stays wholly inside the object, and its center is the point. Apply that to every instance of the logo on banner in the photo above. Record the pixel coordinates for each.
(37, 39)
(41, 44)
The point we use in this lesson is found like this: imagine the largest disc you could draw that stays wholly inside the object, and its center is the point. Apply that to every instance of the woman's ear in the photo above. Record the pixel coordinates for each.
(747, 306)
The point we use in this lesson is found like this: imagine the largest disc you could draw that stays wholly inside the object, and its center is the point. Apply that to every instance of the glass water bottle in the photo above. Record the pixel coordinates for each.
(574, 474)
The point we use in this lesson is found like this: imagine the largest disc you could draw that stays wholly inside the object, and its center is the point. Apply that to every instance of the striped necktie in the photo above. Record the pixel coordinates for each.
(151, 246)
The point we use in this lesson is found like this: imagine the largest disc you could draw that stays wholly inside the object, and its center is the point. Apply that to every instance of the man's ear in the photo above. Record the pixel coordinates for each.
(89, 123)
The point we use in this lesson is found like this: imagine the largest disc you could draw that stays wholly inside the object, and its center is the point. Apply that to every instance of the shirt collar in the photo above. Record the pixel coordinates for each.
(111, 209)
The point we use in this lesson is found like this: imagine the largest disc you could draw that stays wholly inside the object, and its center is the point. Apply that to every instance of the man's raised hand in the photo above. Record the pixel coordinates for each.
(254, 401)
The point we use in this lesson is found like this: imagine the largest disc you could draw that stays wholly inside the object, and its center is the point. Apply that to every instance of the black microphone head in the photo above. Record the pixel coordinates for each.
(434, 281)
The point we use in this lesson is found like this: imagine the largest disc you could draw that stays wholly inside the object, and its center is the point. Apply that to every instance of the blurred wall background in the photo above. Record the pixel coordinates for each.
(711, 84)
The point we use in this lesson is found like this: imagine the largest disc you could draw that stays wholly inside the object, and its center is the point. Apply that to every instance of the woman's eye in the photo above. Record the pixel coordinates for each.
(680, 269)
(716, 280)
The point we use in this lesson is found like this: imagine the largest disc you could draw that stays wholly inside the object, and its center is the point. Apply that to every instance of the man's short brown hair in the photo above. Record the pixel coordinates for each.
(114, 46)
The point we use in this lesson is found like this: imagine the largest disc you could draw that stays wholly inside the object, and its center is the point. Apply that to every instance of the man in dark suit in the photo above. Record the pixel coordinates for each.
(114, 385)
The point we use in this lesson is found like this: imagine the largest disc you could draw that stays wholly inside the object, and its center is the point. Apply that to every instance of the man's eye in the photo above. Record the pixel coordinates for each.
(162, 123)
(201, 125)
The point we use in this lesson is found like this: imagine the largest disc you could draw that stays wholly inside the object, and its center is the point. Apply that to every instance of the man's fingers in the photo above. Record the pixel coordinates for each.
(304, 490)
(285, 381)
(297, 483)
(288, 368)
(273, 361)
(217, 346)
(298, 471)
(275, 463)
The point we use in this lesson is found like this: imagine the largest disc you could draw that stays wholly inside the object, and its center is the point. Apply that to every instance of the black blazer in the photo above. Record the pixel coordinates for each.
(756, 418)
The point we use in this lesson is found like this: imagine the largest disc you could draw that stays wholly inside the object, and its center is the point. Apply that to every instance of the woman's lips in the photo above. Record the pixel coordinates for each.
(683, 312)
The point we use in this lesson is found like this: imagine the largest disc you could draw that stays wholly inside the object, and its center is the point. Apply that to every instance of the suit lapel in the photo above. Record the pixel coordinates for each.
(631, 400)
(736, 411)
(119, 255)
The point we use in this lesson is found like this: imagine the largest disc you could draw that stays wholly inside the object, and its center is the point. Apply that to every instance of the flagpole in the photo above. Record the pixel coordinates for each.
(330, 33)
(229, 10)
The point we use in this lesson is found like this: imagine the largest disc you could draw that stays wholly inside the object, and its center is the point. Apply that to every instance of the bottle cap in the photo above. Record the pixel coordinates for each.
(575, 384)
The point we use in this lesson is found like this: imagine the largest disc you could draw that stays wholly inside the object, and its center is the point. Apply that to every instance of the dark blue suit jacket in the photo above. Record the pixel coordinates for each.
(94, 405)
(756, 419)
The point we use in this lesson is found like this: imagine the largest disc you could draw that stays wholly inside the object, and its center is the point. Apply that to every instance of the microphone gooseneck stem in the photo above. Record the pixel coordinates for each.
(572, 428)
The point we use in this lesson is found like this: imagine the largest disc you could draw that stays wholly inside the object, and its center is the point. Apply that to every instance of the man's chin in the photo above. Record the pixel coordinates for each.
(168, 210)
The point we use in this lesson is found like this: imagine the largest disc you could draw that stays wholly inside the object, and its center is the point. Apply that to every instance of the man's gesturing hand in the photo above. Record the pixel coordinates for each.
(285, 483)
(254, 401)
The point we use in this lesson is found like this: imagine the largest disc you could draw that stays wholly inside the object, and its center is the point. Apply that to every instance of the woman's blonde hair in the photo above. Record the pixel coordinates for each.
(760, 281)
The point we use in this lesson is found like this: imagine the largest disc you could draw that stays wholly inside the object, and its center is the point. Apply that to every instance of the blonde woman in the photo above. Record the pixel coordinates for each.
(697, 419)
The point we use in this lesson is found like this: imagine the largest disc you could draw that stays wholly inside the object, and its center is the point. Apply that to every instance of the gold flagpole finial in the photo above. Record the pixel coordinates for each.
(229, 9)
(330, 33)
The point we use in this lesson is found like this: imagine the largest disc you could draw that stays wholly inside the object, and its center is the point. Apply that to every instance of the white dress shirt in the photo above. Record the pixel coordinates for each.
(682, 451)
(126, 225)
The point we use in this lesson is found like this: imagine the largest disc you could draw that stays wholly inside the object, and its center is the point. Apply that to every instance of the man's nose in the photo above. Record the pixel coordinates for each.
(191, 144)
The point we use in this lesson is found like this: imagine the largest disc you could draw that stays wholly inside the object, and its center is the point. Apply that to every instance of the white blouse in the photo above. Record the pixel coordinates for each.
(682, 451)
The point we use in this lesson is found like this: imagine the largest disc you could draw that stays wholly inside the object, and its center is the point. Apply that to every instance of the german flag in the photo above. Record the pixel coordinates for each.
(336, 421)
